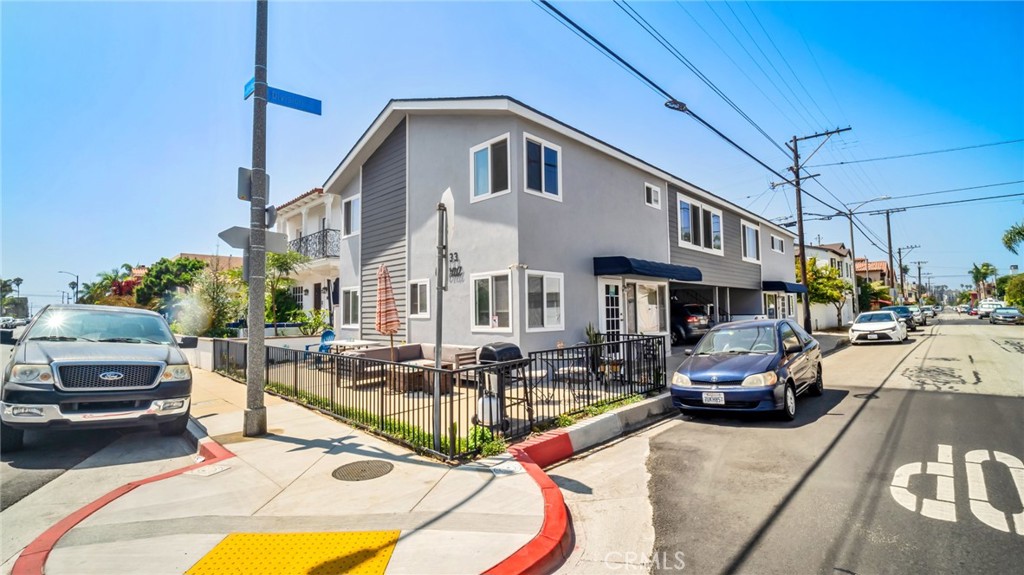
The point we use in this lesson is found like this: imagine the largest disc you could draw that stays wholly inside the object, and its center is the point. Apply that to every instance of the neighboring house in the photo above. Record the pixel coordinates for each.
(874, 271)
(836, 256)
(218, 262)
(315, 222)
(551, 230)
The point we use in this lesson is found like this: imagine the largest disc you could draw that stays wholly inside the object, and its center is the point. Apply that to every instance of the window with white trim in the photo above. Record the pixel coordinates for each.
(544, 301)
(778, 245)
(350, 307)
(492, 298)
(489, 168)
(751, 239)
(543, 173)
(350, 216)
(652, 196)
(297, 295)
(419, 299)
(699, 226)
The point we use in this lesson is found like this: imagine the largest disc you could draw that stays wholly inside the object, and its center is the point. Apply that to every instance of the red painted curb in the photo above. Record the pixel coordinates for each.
(553, 544)
(33, 557)
(548, 448)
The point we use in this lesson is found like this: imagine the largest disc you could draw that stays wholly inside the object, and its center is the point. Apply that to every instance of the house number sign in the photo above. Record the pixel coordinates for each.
(454, 266)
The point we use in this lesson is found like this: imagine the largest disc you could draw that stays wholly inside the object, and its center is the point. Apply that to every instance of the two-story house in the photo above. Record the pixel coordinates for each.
(836, 256)
(315, 222)
(551, 230)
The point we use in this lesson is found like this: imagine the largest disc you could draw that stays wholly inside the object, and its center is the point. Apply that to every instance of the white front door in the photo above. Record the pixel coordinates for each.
(610, 307)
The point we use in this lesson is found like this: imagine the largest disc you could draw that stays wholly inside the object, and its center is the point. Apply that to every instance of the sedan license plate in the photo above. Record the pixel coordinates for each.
(872, 336)
(713, 398)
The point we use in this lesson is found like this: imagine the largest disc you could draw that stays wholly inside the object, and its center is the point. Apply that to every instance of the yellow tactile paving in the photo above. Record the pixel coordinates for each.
(355, 552)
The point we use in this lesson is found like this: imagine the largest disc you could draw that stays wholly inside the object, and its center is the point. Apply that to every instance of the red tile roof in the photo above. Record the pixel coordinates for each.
(301, 196)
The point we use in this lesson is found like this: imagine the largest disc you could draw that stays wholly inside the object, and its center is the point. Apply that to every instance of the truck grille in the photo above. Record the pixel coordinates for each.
(87, 377)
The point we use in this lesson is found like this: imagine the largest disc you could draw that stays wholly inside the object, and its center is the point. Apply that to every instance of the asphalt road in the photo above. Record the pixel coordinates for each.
(841, 489)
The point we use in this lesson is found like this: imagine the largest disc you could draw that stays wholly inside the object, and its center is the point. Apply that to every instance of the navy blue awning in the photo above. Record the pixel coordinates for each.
(784, 286)
(621, 265)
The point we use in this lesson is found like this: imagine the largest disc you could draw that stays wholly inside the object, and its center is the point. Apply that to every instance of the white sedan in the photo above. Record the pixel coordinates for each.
(876, 326)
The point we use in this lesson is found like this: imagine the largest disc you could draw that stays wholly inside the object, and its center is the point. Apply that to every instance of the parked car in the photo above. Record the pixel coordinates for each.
(6, 322)
(903, 312)
(86, 366)
(928, 311)
(755, 365)
(689, 321)
(919, 315)
(878, 326)
(1010, 315)
(985, 308)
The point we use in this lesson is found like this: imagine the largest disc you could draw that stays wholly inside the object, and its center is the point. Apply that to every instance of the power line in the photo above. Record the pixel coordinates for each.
(919, 154)
(958, 190)
(945, 203)
(665, 43)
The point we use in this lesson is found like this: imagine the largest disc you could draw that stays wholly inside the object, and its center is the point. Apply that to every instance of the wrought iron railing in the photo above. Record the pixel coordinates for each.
(322, 244)
(468, 406)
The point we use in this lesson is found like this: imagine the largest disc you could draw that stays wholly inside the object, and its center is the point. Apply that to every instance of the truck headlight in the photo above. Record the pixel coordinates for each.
(29, 373)
(680, 380)
(177, 373)
(765, 379)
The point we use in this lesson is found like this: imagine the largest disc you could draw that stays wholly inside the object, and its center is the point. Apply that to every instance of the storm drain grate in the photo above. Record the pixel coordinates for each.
(362, 470)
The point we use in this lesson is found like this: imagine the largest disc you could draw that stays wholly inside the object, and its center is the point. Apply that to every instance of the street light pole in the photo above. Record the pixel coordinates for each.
(853, 252)
(76, 283)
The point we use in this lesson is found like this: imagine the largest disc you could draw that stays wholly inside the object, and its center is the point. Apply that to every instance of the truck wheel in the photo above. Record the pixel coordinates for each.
(11, 439)
(175, 426)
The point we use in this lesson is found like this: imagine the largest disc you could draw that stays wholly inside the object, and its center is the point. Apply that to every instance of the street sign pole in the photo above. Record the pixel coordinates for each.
(255, 419)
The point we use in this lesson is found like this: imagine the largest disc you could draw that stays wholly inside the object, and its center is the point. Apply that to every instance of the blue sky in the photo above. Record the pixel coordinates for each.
(122, 124)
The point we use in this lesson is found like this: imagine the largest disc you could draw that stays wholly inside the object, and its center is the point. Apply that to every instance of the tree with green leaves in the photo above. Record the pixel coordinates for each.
(980, 275)
(1014, 237)
(209, 307)
(279, 269)
(1015, 290)
(826, 286)
(165, 276)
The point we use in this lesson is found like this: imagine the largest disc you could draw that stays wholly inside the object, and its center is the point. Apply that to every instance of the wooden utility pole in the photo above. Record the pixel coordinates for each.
(793, 147)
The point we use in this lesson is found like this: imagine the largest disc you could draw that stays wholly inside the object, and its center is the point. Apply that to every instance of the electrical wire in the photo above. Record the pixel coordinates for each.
(920, 153)
(957, 190)
(904, 208)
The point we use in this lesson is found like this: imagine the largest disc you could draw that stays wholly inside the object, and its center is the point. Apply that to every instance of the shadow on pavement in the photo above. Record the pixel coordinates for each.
(808, 410)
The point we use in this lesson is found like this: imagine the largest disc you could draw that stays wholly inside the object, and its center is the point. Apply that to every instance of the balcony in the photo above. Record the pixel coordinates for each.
(323, 244)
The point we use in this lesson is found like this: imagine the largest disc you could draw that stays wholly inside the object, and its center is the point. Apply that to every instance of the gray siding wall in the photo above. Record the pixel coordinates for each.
(602, 213)
(776, 266)
(383, 235)
(349, 267)
(483, 234)
(729, 270)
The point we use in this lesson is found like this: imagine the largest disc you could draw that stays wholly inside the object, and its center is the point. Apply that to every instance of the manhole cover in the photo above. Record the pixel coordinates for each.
(362, 470)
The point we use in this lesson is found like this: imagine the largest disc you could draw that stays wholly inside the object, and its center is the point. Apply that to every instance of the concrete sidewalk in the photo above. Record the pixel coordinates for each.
(420, 517)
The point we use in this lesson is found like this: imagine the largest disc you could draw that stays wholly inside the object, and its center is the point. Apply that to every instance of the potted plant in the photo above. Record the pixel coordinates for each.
(594, 337)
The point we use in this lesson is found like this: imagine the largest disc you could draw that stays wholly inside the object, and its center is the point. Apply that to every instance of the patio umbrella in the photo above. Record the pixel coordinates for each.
(386, 320)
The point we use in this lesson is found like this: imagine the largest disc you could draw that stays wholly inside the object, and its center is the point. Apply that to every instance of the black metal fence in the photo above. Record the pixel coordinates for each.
(469, 406)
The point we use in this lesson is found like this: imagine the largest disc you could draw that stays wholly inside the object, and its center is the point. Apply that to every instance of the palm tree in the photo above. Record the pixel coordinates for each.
(980, 274)
(1014, 237)
(18, 281)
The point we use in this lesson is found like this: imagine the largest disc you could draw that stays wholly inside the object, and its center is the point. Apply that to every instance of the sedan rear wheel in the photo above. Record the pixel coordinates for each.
(818, 387)
(789, 404)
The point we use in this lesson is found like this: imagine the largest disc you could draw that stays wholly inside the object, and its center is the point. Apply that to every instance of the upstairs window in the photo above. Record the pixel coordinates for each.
(489, 168)
(652, 196)
(350, 216)
(700, 226)
(543, 173)
(751, 241)
(778, 245)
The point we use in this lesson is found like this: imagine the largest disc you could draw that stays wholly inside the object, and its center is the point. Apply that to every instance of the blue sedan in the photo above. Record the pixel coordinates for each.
(759, 365)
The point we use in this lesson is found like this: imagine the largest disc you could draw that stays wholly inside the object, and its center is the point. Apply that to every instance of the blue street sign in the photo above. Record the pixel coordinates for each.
(250, 87)
(289, 100)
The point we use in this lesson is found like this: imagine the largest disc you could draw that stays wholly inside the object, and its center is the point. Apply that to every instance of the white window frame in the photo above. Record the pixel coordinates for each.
(656, 194)
(345, 291)
(297, 296)
(473, 327)
(561, 300)
(543, 144)
(355, 215)
(681, 199)
(425, 304)
(782, 244)
(507, 136)
(744, 224)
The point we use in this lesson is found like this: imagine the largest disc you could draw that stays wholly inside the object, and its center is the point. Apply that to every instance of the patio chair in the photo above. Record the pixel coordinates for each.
(323, 347)
(572, 370)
